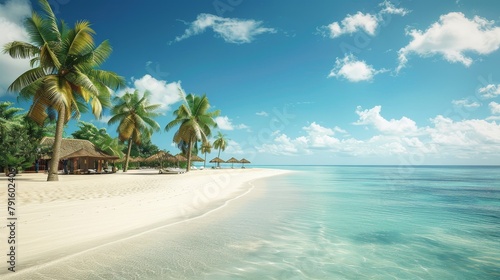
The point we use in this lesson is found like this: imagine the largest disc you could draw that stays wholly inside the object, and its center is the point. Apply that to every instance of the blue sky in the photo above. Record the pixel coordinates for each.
(302, 82)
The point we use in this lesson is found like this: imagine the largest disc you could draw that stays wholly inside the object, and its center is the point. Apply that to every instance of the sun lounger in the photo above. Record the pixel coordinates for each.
(172, 171)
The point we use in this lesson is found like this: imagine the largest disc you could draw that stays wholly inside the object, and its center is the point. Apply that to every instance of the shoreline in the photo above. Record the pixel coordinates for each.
(59, 220)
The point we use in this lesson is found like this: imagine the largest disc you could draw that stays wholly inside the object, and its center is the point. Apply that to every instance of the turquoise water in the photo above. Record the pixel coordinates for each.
(325, 222)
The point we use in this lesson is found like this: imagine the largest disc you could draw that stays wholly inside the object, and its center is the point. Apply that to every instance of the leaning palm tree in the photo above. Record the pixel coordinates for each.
(220, 143)
(64, 74)
(194, 120)
(135, 116)
(206, 148)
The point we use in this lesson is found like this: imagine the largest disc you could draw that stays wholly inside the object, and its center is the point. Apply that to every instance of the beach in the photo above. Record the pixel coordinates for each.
(309, 222)
(59, 220)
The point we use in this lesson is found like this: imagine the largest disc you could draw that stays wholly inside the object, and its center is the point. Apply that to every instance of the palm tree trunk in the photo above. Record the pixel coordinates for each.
(218, 163)
(56, 148)
(205, 162)
(190, 144)
(125, 167)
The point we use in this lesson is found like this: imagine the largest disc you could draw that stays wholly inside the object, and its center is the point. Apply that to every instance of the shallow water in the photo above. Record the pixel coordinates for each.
(324, 222)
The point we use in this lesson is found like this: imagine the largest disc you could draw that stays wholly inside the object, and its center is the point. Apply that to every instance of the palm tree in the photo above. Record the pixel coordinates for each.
(64, 74)
(206, 147)
(194, 120)
(220, 143)
(135, 115)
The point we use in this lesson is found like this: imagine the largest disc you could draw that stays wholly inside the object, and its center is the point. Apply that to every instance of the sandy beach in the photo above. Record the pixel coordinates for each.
(82, 212)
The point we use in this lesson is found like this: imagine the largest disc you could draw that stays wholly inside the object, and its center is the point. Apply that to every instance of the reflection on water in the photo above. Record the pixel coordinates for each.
(329, 222)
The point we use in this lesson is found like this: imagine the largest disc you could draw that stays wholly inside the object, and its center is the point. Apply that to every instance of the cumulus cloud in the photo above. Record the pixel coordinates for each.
(225, 123)
(453, 37)
(319, 136)
(162, 92)
(262, 114)
(353, 70)
(373, 118)
(237, 31)
(389, 8)
(12, 14)
(470, 136)
(233, 148)
(284, 145)
(399, 139)
(494, 107)
(466, 103)
(354, 23)
(490, 91)
(361, 22)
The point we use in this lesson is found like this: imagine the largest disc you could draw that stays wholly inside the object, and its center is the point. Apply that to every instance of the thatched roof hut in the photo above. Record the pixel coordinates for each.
(76, 148)
(79, 156)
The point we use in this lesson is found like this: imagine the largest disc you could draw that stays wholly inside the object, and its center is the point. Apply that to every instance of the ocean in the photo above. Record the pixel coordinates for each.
(324, 222)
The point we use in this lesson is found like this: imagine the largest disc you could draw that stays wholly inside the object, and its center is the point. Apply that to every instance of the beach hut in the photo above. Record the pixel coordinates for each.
(232, 161)
(217, 160)
(243, 161)
(79, 156)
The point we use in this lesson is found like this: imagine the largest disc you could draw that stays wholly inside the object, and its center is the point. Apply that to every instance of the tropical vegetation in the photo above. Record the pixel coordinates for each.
(220, 143)
(100, 138)
(195, 122)
(65, 73)
(206, 148)
(135, 116)
(19, 138)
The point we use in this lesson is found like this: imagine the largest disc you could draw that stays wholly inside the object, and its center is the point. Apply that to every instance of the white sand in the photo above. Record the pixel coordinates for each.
(81, 212)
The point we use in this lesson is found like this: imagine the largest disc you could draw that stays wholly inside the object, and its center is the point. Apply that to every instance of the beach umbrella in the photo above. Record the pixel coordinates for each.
(232, 161)
(217, 160)
(243, 161)
(196, 158)
(160, 157)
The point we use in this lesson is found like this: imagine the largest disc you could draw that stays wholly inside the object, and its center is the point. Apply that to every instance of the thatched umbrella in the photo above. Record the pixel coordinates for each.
(232, 161)
(243, 161)
(217, 160)
(161, 156)
(196, 158)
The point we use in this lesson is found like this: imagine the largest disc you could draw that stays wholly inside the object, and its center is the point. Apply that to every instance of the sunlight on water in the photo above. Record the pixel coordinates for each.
(327, 223)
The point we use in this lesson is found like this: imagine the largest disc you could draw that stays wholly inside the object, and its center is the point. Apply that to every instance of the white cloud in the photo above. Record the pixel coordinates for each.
(389, 8)
(490, 91)
(399, 140)
(233, 148)
(284, 145)
(12, 14)
(319, 136)
(494, 107)
(232, 30)
(361, 21)
(353, 23)
(354, 70)
(262, 114)
(466, 103)
(225, 123)
(403, 126)
(453, 36)
(469, 136)
(162, 92)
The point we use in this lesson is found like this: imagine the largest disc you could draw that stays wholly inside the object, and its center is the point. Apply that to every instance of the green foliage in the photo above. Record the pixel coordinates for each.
(195, 122)
(65, 74)
(19, 138)
(100, 138)
(134, 115)
(220, 143)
